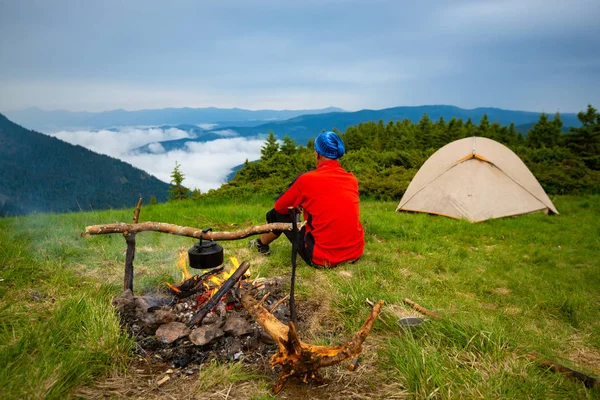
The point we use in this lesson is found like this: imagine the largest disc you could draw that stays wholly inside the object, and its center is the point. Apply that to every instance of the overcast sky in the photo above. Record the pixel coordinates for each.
(537, 55)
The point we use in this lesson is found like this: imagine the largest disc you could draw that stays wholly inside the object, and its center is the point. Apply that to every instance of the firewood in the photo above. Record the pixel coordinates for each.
(295, 357)
(216, 298)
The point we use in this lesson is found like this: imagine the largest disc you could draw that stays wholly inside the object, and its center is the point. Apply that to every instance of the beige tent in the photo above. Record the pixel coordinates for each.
(476, 179)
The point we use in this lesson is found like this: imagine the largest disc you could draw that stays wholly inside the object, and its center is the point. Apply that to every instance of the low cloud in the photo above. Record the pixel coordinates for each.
(205, 165)
(226, 133)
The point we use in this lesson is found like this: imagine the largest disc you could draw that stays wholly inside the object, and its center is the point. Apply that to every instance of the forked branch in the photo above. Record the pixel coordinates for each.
(297, 358)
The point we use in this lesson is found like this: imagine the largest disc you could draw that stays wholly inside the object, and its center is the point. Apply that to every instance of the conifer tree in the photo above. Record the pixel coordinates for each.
(177, 190)
(288, 147)
(270, 148)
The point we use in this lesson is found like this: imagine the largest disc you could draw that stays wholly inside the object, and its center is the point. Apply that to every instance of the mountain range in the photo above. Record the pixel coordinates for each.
(305, 127)
(52, 121)
(39, 173)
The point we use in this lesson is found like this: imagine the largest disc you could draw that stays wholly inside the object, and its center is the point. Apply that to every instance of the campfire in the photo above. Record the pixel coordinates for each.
(221, 313)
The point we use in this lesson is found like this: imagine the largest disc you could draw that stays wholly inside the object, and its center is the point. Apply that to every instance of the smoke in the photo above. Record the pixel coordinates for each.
(204, 165)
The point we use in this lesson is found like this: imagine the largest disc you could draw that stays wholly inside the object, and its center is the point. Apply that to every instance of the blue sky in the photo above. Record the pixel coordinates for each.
(98, 55)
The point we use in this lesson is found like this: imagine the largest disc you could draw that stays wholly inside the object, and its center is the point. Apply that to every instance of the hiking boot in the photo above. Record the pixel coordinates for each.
(262, 248)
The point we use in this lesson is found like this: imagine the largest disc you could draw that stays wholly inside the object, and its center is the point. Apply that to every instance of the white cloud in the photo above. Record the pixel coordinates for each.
(205, 165)
(226, 133)
(207, 127)
(156, 148)
(119, 142)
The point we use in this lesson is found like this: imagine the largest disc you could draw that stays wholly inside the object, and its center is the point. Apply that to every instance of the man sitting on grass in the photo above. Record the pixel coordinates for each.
(329, 198)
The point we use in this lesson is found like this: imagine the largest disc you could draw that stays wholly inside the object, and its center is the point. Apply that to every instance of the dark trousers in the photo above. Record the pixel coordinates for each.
(306, 242)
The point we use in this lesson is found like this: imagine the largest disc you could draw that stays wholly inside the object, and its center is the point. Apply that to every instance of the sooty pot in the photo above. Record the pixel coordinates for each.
(205, 254)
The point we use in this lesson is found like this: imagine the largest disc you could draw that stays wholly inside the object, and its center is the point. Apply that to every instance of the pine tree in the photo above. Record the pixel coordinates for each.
(288, 146)
(270, 148)
(177, 190)
(585, 141)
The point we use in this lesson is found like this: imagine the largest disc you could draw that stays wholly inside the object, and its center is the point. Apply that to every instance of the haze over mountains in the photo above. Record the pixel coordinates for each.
(51, 121)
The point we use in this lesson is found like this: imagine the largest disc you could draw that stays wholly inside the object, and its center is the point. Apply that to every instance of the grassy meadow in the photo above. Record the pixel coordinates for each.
(504, 288)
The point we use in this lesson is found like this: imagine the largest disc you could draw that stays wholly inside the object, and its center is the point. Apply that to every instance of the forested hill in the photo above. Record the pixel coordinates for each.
(45, 174)
(305, 127)
(386, 156)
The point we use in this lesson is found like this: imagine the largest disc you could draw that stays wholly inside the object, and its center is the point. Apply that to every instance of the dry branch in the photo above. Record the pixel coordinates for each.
(184, 230)
(588, 381)
(297, 358)
(421, 309)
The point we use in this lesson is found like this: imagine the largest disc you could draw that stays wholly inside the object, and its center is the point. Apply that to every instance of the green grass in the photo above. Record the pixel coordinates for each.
(503, 288)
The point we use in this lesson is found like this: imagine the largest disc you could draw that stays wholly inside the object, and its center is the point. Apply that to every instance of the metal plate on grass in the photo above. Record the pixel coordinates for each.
(411, 323)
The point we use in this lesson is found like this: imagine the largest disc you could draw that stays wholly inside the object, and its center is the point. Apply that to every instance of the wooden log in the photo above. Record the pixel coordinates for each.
(588, 381)
(215, 298)
(421, 309)
(295, 357)
(184, 230)
(130, 253)
(129, 257)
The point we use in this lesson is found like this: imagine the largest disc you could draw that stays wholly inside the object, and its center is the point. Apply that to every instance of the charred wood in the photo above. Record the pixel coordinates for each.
(216, 298)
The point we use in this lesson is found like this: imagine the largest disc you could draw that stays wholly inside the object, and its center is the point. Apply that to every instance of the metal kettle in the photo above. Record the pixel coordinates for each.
(205, 254)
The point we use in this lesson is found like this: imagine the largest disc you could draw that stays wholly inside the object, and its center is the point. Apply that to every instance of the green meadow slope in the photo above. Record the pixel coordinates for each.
(504, 288)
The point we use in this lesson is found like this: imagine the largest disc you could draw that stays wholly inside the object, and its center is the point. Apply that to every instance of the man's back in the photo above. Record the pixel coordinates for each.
(329, 197)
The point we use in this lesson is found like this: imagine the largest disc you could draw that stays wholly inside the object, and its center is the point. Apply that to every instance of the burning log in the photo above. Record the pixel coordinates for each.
(184, 230)
(194, 284)
(297, 358)
(216, 298)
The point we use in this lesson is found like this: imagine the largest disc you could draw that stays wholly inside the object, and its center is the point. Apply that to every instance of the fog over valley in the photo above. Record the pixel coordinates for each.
(204, 164)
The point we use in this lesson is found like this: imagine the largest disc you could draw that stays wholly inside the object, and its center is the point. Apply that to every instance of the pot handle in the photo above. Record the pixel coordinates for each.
(205, 230)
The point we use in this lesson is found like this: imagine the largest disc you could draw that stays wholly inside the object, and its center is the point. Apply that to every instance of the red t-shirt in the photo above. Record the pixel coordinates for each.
(329, 197)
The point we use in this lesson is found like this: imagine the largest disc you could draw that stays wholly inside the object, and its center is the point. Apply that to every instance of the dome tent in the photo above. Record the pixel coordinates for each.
(475, 179)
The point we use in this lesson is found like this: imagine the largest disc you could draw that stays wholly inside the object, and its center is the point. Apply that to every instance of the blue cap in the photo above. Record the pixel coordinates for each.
(330, 145)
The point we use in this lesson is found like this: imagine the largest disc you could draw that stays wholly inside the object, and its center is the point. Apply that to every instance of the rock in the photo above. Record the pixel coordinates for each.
(205, 334)
(210, 318)
(141, 305)
(164, 316)
(236, 325)
(153, 320)
(265, 337)
(168, 333)
(125, 302)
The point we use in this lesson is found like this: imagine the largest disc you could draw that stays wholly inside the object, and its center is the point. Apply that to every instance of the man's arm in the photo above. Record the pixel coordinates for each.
(291, 198)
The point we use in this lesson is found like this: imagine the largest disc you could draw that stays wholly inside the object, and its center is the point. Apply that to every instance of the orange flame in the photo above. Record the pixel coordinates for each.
(182, 265)
(213, 283)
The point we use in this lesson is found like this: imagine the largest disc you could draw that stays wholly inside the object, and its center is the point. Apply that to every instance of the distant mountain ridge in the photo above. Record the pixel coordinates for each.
(40, 173)
(52, 121)
(305, 127)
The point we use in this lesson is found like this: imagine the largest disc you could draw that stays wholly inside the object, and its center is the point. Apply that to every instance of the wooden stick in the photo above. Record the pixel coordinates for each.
(214, 300)
(588, 381)
(421, 309)
(136, 213)
(184, 230)
(130, 254)
(284, 298)
(353, 364)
